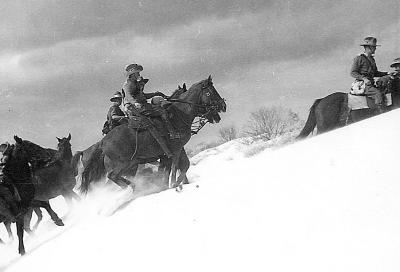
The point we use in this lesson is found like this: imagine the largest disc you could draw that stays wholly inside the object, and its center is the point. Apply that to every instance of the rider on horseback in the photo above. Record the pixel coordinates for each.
(115, 115)
(396, 66)
(136, 103)
(364, 70)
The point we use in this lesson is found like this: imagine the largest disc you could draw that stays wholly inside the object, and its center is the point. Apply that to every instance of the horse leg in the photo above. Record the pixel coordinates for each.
(165, 170)
(27, 221)
(46, 205)
(20, 233)
(39, 218)
(115, 171)
(8, 228)
(184, 164)
(174, 169)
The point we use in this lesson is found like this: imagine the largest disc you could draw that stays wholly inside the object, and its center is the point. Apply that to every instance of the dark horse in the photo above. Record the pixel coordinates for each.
(55, 179)
(123, 148)
(17, 171)
(327, 113)
(81, 158)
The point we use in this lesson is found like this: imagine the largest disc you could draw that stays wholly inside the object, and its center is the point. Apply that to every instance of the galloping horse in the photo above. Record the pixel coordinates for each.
(123, 148)
(325, 113)
(16, 159)
(55, 179)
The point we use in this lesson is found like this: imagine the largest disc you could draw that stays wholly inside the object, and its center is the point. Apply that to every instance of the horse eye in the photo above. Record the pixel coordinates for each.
(208, 94)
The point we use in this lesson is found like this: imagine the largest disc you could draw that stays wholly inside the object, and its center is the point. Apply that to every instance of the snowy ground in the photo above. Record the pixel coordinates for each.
(328, 203)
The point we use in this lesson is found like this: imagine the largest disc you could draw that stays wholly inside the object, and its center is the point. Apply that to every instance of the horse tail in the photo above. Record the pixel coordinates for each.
(311, 121)
(93, 171)
(75, 160)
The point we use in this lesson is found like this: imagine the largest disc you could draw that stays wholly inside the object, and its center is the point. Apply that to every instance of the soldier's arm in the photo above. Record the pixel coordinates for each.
(151, 95)
(115, 115)
(380, 74)
(355, 68)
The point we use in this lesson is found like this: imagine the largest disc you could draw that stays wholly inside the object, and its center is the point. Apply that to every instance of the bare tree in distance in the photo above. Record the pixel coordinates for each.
(227, 134)
(269, 123)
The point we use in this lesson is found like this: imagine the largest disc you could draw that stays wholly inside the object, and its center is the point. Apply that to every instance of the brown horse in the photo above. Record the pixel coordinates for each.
(55, 179)
(327, 113)
(17, 160)
(123, 148)
(51, 181)
(81, 158)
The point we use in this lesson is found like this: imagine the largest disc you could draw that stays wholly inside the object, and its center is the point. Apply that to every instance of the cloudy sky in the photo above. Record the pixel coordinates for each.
(60, 61)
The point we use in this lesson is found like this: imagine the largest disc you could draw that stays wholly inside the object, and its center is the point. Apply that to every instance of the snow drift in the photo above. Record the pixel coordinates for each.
(328, 203)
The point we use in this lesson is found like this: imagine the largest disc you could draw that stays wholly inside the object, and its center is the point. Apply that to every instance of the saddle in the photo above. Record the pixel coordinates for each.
(358, 102)
(156, 128)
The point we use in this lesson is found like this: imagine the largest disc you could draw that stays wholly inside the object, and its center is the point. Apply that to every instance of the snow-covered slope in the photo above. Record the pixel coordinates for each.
(328, 203)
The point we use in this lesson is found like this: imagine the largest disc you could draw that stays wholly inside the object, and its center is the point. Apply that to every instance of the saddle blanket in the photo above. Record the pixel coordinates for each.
(358, 102)
(143, 123)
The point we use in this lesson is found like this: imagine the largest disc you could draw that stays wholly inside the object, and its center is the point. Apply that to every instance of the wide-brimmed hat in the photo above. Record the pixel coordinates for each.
(396, 62)
(117, 95)
(370, 41)
(133, 68)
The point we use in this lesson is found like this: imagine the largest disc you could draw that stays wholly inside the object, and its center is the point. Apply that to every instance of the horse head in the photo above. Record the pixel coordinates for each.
(212, 103)
(64, 147)
(36, 155)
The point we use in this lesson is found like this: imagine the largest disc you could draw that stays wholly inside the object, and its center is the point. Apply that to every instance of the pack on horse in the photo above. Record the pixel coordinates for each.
(127, 146)
(338, 109)
(17, 160)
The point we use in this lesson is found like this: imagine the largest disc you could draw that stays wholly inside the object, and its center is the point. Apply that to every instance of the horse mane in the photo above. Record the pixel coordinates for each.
(39, 155)
(177, 93)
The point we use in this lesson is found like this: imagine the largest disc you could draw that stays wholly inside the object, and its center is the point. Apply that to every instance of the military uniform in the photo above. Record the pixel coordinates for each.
(365, 67)
(115, 111)
(115, 115)
(135, 102)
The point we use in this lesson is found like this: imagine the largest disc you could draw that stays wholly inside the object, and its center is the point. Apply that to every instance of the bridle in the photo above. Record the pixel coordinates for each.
(197, 125)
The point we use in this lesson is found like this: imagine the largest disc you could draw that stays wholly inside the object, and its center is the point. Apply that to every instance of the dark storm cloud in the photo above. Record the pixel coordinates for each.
(27, 24)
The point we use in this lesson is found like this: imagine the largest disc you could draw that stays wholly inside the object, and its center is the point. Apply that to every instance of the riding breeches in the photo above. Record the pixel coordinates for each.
(375, 93)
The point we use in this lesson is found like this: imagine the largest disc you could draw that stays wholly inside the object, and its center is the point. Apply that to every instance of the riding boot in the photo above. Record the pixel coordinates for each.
(171, 131)
(380, 108)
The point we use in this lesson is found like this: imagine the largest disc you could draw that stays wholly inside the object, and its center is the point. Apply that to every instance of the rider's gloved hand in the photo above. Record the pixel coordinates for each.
(367, 81)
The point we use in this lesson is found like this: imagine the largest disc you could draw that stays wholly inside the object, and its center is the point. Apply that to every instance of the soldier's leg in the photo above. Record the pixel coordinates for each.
(374, 93)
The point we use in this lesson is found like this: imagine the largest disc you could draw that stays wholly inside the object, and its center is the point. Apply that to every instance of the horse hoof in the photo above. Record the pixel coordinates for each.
(59, 222)
(179, 188)
(22, 252)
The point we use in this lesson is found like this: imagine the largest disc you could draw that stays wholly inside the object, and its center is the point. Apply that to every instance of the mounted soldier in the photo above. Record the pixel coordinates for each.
(135, 102)
(396, 67)
(364, 70)
(115, 115)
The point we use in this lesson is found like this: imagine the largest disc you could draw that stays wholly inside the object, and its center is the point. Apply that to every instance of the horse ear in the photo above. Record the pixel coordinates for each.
(184, 86)
(17, 139)
(59, 140)
(209, 78)
(179, 87)
(69, 137)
